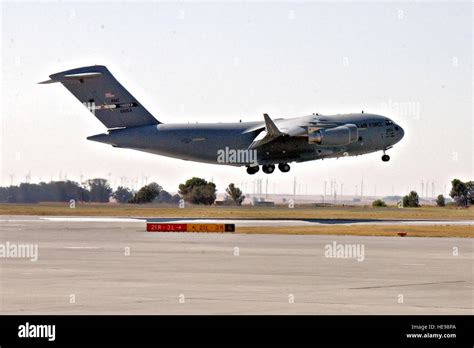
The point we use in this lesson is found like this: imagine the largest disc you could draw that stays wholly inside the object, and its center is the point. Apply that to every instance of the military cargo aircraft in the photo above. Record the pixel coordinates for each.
(264, 143)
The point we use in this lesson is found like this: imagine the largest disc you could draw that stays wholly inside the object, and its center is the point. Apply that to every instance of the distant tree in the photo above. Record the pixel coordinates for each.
(9, 194)
(378, 203)
(411, 200)
(234, 194)
(63, 191)
(166, 197)
(198, 191)
(55, 191)
(147, 193)
(3, 195)
(470, 191)
(100, 191)
(28, 193)
(440, 201)
(122, 194)
(460, 192)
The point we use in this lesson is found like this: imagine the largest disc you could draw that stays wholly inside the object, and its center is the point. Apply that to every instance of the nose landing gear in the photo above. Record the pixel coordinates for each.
(385, 157)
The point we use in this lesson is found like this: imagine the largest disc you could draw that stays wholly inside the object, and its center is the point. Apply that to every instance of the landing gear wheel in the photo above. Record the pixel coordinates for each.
(385, 158)
(284, 167)
(268, 168)
(253, 170)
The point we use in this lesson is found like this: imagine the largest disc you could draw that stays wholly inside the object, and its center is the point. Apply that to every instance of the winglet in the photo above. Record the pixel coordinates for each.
(272, 129)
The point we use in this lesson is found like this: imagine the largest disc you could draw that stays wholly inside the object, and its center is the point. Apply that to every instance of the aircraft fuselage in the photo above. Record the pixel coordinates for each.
(202, 142)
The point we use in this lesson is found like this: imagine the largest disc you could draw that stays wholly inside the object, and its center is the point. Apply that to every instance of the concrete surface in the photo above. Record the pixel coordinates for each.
(270, 222)
(183, 273)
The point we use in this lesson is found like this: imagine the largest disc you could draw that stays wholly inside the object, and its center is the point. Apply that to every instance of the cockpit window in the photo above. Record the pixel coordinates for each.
(388, 123)
(375, 124)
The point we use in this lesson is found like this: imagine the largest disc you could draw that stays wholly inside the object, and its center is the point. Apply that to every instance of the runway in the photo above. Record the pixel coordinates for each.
(112, 266)
(273, 222)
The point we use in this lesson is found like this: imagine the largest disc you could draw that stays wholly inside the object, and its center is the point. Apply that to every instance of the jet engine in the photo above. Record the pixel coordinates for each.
(341, 135)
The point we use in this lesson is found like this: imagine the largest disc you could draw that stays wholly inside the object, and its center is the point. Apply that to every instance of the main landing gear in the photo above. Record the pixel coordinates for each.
(253, 170)
(269, 168)
(284, 167)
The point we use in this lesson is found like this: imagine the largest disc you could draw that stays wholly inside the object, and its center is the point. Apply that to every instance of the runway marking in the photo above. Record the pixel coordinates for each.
(91, 219)
(81, 247)
(18, 220)
(400, 285)
(413, 264)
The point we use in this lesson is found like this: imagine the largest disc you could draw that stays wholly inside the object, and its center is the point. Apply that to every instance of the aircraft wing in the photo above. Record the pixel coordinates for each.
(271, 131)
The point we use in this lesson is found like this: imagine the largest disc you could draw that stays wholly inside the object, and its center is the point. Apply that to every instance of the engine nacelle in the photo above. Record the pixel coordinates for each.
(341, 135)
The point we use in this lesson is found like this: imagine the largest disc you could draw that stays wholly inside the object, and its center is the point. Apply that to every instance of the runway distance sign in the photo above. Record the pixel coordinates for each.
(173, 227)
(155, 227)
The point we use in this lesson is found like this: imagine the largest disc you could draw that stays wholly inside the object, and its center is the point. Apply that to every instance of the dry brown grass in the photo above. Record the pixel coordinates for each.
(130, 210)
(367, 230)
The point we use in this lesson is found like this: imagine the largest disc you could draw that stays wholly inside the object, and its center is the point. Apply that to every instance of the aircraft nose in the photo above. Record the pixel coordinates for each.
(401, 132)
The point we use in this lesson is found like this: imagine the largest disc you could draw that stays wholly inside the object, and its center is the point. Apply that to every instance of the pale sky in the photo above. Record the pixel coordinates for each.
(218, 62)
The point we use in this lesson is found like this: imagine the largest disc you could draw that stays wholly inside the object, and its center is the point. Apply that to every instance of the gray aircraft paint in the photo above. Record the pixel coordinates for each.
(131, 126)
